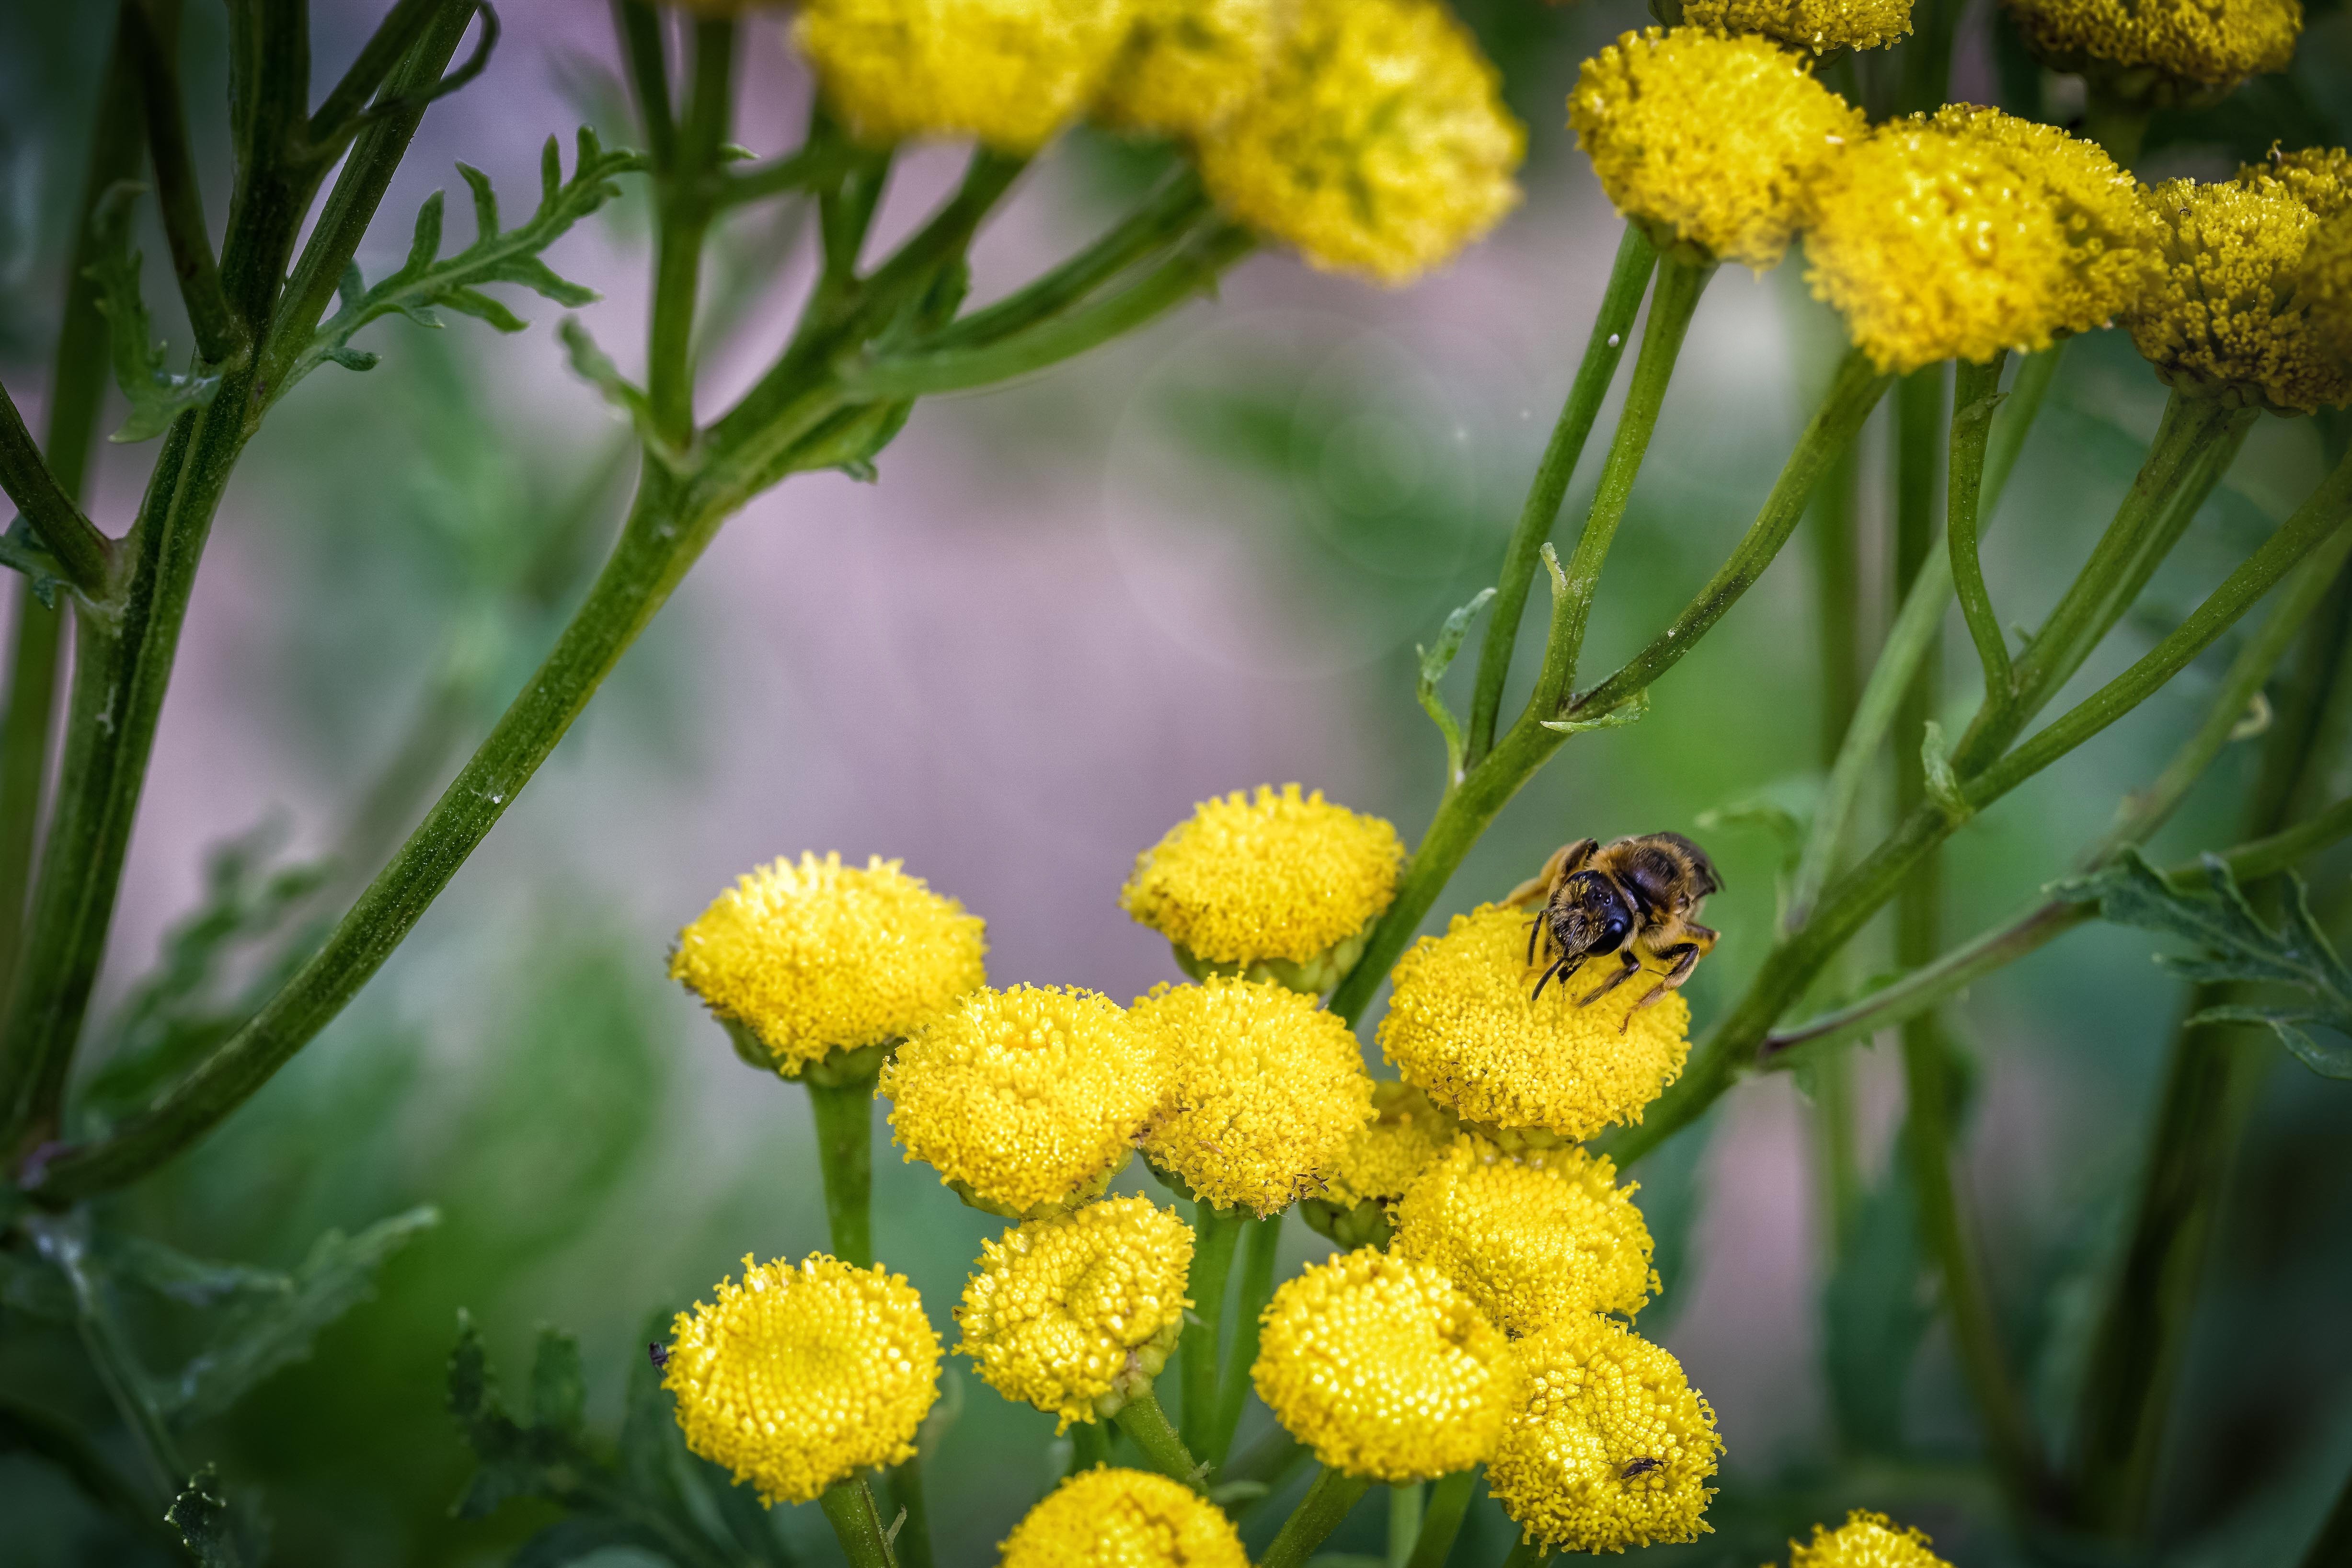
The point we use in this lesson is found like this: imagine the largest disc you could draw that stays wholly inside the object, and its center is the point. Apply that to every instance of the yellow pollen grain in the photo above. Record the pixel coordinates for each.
(1107, 1517)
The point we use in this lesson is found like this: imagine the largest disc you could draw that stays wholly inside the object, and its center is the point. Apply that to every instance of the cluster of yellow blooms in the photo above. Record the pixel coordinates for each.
(2167, 51)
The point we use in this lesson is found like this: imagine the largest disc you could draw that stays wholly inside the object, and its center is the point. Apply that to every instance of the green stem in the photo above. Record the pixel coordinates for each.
(1261, 1245)
(1404, 1521)
(1142, 1419)
(1976, 394)
(844, 1147)
(857, 1523)
(1449, 1503)
(154, 33)
(1090, 1445)
(1318, 1513)
(1214, 1231)
(687, 203)
(83, 554)
(640, 28)
(1527, 1554)
(1612, 326)
(913, 1541)
(2118, 126)
(2332, 1547)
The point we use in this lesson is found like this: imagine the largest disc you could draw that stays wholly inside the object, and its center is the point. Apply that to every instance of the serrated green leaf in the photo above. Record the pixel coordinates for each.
(201, 1514)
(157, 396)
(593, 366)
(558, 1397)
(485, 203)
(1438, 657)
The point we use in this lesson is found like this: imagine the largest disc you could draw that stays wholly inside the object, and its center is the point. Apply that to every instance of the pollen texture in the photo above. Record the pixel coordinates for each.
(1073, 1314)
(1024, 1100)
(1263, 1090)
(1383, 1368)
(2196, 43)
(1461, 1025)
(1818, 26)
(2327, 285)
(2230, 317)
(1406, 1135)
(1009, 72)
(1709, 139)
(815, 956)
(799, 1377)
(1274, 875)
(1107, 1517)
(1963, 233)
(1188, 65)
(1865, 1541)
(1533, 1239)
(1378, 146)
(1611, 1447)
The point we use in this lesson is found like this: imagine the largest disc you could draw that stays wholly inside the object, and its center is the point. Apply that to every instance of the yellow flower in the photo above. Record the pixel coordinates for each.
(1380, 144)
(818, 958)
(1404, 1137)
(1026, 1101)
(1383, 1368)
(2327, 285)
(2163, 51)
(1707, 140)
(802, 1378)
(1106, 1518)
(1865, 1541)
(1960, 233)
(1820, 25)
(2230, 319)
(1263, 1090)
(1611, 1447)
(1272, 884)
(1076, 1314)
(1189, 63)
(1461, 1025)
(1533, 1239)
(1009, 72)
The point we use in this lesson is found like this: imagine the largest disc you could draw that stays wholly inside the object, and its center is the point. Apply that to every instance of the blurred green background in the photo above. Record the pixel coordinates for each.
(1197, 561)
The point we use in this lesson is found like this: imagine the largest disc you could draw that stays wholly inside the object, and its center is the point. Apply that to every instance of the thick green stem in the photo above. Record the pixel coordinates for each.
(1318, 1513)
(1527, 1554)
(844, 1148)
(913, 1541)
(1612, 325)
(1214, 1231)
(2116, 125)
(154, 33)
(640, 29)
(2332, 1547)
(1142, 1419)
(1976, 394)
(1090, 1445)
(1261, 1246)
(1404, 1521)
(857, 1523)
(1449, 1502)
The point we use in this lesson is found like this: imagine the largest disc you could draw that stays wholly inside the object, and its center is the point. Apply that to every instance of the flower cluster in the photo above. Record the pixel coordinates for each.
(1363, 1186)
(1865, 1541)
(1107, 1517)
(2163, 51)
(1820, 26)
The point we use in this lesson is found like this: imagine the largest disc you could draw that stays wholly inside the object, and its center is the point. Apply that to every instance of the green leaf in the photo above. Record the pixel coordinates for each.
(1631, 711)
(2234, 945)
(1943, 785)
(201, 1514)
(1435, 660)
(22, 551)
(558, 1397)
(426, 279)
(595, 367)
(157, 396)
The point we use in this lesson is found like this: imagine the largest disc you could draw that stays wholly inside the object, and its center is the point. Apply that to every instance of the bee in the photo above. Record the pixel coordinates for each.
(1637, 898)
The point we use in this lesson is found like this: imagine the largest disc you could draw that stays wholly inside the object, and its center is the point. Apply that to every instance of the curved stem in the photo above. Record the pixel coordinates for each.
(1142, 1419)
(1261, 1244)
(913, 1541)
(1318, 1513)
(857, 1523)
(1214, 1231)
(1976, 394)
(82, 553)
(1090, 1445)
(1612, 325)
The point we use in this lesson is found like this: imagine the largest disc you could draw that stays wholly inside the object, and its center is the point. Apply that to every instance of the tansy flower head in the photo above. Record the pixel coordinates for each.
(2163, 52)
(1075, 1313)
(1009, 72)
(2327, 285)
(799, 1377)
(1188, 64)
(1026, 1101)
(1960, 233)
(1263, 1090)
(1383, 1368)
(1278, 886)
(1865, 1541)
(1707, 140)
(818, 958)
(1460, 1025)
(1107, 1517)
(1360, 1189)
(1534, 1238)
(1611, 1447)
(2231, 317)
(1820, 25)
(1379, 143)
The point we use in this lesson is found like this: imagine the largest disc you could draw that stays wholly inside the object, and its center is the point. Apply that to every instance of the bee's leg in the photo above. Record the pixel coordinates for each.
(1629, 967)
(1702, 935)
(1535, 930)
(1686, 957)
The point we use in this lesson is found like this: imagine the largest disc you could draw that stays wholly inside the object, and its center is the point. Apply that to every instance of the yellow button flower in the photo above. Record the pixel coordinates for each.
(1009, 72)
(2229, 318)
(1461, 1025)
(1380, 144)
(1189, 63)
(2327, 285)
(1278, 886)
(2178, 49)
(1383, 1368)
(818, 958)
(1820, 25)
(1960, 233)
(1611, 1447)
(1263, 1090)
(1534, 1238)
(1028, 1100)
(1075, 1313)
(799, 1377)
(1865, 1541)
(1707, 140)
(1406, 1135)
(1107, 1517)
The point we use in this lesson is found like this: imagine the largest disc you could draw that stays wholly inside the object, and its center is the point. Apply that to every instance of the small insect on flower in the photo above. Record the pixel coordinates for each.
(658, 1354)
(1638, 898)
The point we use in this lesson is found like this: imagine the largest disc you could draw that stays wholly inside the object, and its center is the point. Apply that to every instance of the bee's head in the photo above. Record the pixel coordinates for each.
(1591, 915)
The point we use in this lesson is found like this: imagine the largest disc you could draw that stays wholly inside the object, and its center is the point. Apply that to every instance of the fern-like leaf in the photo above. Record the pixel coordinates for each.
(157, 396)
